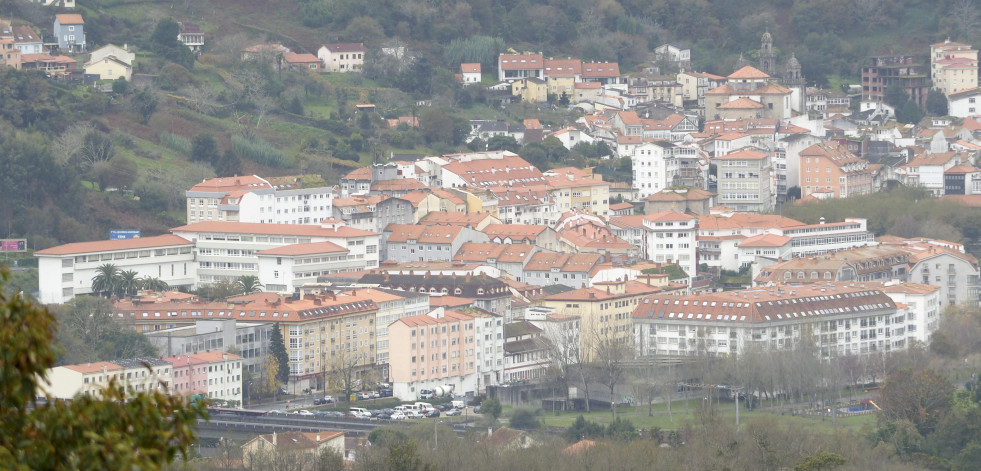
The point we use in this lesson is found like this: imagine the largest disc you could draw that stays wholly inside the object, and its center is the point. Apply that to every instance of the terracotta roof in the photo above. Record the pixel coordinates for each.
(765, 240)
(295, 58)
(563, 67)
(665, 216)
(449, 301)
(470, 68)
(438, 234)
(597, 293)
(588, 85)
(543, 261)
(521, 61)
(713, 222)
(214, 356)
(832, 151)
(600, 69)
(116, 245)
(312, 248)
(514, 231)
(961, 169)
(693, 194)
(770, 304)
(398, 184)
(455, 218)
(742, 104)
(449, 316)
(909, 288)
(362, 173)
(748, 72)
(70, 19)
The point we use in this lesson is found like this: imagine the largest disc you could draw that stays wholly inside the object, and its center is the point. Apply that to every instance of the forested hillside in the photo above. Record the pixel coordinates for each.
(64, 145)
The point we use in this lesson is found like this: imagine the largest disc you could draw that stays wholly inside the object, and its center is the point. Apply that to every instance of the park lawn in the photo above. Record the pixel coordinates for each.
(638, 416)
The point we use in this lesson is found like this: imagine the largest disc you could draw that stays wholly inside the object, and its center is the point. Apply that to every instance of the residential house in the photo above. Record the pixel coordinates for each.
(942, 264)
(674, 53)
(488, 293)
(962, 180)
(27, 40)
(606, 73)
(220, 374)
(576, 190)
(561, 75)
(530, 89)
(509, 258)
(357, 211)
(342, 57)
(872, 263)
(302, 448)
(510, 439)
(928, 170)
(270, 53)
(190, 35)
(249, 339)
(10, 55)
(470, 73)
(109, 68)
(587, 92)
(964, 103)
(695, 84)
(302, 61)
(122, 54)
(356, 182)
(477, 221)
(284, 269)
(525, 205)
(511, 67)
(69, 32)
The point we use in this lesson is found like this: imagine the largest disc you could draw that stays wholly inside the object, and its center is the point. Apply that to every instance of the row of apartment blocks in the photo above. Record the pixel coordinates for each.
(214, 374)
(839, 318)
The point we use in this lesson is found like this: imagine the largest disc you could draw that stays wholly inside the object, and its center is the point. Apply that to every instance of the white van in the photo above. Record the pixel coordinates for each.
(359, 412)
(457, 404)
(423, 407)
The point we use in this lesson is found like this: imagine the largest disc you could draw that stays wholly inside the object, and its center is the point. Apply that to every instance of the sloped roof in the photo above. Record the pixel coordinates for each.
(748, 72)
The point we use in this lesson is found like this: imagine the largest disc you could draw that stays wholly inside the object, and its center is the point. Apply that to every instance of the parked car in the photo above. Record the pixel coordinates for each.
(304, 412)
(445, 406)
(476, 410)
(432, 413)
(453, 412)
(413, 414)
(276, 412)
(398, 416)
(385, 392)
(362, 396)
(359, 412)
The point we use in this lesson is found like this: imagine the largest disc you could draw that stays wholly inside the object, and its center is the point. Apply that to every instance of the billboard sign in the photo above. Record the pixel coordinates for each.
(13, 245)
(119, 234)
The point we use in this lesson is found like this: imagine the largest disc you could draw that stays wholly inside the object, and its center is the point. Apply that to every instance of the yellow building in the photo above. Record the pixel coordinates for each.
(109, 68)
(577, 189)
(531, 90)
(605, 308)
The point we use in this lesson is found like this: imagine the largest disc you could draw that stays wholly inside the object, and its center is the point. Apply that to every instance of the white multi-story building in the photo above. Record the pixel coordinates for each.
(229, 250)
(251, 198)
(659, 164)
(841, 318)
(250, 339)
(67, 270)
(922, 309)
(746, 181)
(140, 375)
(672, 238)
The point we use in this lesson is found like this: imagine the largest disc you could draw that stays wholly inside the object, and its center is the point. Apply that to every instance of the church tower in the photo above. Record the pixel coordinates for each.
(768, 64)
(794, 80)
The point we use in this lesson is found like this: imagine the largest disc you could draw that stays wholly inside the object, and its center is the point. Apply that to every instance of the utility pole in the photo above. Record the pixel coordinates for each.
(737, 407)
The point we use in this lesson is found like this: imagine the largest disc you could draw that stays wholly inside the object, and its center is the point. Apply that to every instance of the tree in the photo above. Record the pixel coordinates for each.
(163, 41)
(611, 354)
(105, 280)
(87, 331)
(491, 407)
(910, 113)
(120, 85)
(502, 142)
(144, 102)
(895, 96)
(343, 369)
(268, 382)
(583, 429)
(119, 430)
(820, 461)
(922, 397)
(228, 164)
(278, 350)
(523, 419)
(436, 125)
(129, 282)
(153, 284)
(936, 103)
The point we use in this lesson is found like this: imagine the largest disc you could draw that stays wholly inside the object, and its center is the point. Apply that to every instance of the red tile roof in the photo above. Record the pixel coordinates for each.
(312, 248)
(272, 229)
(116, 245)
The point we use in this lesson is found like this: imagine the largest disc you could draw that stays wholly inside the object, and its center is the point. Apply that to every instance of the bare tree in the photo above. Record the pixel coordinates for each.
(343, 370)
(609, 362)
(201, 98)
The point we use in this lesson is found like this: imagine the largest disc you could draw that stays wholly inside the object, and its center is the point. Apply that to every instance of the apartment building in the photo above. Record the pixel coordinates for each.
(672, 237)
(953, 66)
(250, 339)
(488, 293)
(526, 352)
(250, 198)
(572, 270)
(217, 373)
(841, 318)
(831, 169)
(746, 181)
(137, 375)
(425, 243)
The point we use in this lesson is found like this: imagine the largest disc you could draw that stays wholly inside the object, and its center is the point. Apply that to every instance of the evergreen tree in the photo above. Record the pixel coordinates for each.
(278, 350)
(936, 103)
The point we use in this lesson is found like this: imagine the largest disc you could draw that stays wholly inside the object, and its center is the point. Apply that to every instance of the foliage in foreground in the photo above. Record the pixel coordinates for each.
(121, 430)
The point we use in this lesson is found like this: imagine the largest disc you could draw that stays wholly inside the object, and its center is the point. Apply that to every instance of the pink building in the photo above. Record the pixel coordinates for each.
(190, 375)
(436, 349)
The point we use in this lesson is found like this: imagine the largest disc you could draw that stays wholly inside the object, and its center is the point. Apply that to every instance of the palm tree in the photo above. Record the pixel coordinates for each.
(129, 282)
(248, 284)
(153, 284)
(105, 280)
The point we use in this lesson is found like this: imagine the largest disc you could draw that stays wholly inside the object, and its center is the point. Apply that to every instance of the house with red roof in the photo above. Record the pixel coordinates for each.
(470, 73)
(748, 93)
(511, 67)
(302, 61)
(426, 242)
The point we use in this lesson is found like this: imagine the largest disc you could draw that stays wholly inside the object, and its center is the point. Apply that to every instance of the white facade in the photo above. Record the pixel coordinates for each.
(264, 203)
(922, 310)
(66, 271)
(489, 362)
(283, 269)
(672, 238)
(964, 103)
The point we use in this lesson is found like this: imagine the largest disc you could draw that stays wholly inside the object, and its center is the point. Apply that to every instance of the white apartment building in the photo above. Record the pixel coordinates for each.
(672, 238)
(286, 268)
(229, 250)
(89, 379)
(922, 309)
(843, 319)
(659, 164)
(67, 270)
(254, 199)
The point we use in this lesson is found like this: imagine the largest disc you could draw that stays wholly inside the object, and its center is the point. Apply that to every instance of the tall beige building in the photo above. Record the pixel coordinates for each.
(953, 66)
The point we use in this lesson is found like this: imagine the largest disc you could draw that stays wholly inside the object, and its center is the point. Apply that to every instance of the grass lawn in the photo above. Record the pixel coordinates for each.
(638, 416)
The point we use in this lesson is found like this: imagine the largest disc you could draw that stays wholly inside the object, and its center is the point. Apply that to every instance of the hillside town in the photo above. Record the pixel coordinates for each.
(492, 272)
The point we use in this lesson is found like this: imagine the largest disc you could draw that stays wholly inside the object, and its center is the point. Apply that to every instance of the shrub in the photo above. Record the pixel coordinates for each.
(175, 143)
(258, 150)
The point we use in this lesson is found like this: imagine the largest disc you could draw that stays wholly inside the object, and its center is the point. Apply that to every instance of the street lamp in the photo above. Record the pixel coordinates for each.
(435, 434)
